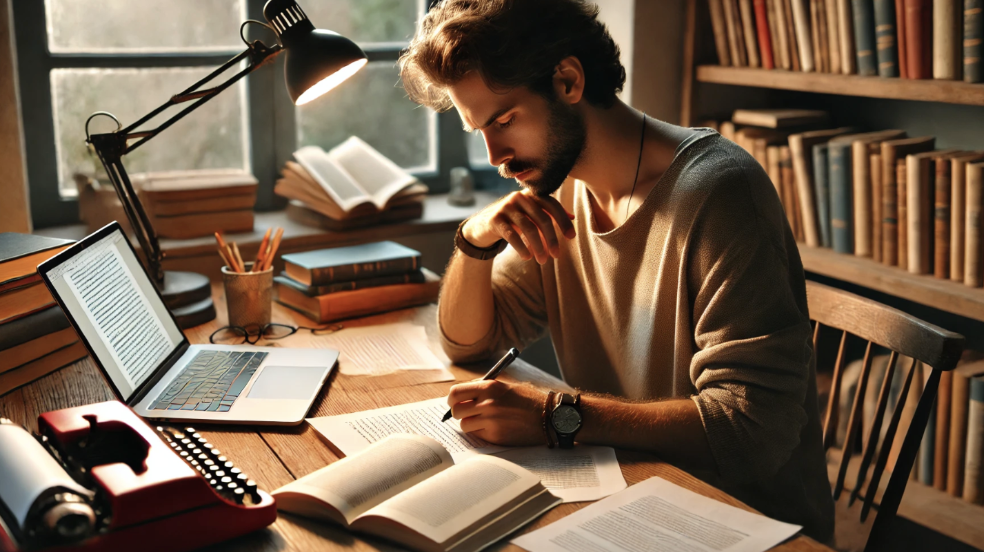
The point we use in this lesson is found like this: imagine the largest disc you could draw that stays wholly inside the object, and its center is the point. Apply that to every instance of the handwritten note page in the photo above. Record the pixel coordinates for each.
(352, 433)
(575, 475)
(658, 516)
(376, 350)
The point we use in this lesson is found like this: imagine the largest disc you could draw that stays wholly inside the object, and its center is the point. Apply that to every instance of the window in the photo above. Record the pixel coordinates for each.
(76, 57)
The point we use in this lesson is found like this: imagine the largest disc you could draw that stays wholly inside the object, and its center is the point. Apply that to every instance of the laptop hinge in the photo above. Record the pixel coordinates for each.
(159, 373)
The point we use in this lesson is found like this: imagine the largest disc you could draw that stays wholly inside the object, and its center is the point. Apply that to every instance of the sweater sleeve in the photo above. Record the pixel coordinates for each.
(520, 315)
(751, 327)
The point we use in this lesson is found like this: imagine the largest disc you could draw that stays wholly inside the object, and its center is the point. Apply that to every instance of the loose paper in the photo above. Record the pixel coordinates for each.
(377, 350)
(575, 475)
(658, 516)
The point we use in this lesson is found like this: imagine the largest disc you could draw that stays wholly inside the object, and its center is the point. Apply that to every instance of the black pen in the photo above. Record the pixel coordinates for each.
(505, 361)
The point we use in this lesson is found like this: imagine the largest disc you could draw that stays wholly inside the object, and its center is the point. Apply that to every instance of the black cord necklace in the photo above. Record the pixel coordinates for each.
(642, 141)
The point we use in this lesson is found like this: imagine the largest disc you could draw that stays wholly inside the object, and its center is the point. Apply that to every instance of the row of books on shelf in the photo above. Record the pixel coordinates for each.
(911, 39)
(35, 336)
(951, 454)
(895, 199)
(344, 282)
(350, 186)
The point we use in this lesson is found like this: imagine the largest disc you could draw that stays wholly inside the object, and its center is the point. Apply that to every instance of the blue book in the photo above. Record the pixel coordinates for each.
(840, 179)
(864, 37)
(821, 189)
(885, 39)
(356, 262)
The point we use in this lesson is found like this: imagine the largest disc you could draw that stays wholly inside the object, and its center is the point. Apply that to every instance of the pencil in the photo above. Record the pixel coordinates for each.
(260, 257)
(239, 258)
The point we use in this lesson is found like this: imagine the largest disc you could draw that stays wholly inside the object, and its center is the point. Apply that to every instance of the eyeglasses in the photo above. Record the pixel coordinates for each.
(235, 335)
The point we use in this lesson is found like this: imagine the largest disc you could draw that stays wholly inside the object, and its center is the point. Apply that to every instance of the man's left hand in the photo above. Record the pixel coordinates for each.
(501, 413)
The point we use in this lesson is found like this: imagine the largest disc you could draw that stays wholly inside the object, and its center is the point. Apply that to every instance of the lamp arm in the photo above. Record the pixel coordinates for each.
(110, 147)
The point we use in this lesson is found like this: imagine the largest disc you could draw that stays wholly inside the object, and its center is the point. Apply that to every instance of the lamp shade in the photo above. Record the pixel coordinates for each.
(316, 60)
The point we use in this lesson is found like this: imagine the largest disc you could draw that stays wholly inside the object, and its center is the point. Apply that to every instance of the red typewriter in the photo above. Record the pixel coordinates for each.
(97, 477)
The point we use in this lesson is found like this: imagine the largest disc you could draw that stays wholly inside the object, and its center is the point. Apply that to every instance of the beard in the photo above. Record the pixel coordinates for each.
(563, 152)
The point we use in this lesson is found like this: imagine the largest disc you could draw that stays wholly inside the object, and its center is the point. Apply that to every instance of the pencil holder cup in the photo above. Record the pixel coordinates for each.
(249, 296)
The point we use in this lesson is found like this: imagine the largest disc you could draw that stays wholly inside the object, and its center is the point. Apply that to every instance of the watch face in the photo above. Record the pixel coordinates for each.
(566, 419)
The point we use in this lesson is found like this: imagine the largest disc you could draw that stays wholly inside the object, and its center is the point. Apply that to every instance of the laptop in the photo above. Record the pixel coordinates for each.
(133, 338)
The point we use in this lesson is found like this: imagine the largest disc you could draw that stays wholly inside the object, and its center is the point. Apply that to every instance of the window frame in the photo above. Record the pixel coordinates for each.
(270, 114)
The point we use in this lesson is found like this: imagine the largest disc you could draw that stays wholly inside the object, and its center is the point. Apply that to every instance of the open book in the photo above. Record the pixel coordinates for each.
(406, 488)
(353, 174)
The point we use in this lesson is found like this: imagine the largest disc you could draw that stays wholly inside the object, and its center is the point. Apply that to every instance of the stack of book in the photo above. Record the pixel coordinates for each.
(895, 199)
(35, 336)
(192, 204)
(350, 186)
(911, 39)
(345, 282)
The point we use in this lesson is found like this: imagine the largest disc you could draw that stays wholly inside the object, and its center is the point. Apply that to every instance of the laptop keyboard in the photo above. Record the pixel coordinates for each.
(212, 381)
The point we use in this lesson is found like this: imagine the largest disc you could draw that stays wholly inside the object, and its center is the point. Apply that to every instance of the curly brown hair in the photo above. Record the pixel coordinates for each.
(510, 43)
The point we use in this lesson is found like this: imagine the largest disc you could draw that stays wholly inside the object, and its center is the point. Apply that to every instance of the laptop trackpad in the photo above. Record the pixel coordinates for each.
(287, 382)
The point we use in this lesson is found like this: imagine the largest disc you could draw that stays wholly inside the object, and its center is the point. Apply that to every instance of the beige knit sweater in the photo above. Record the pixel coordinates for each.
(699, 294)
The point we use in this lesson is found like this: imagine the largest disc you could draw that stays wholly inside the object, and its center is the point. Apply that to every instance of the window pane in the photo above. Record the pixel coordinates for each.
(372, 106)
(478, 153)
(121, 26)
(213, 137)
(366, 21)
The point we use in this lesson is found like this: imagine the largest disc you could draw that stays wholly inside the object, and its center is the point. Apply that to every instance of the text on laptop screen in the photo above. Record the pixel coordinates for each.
(117, 308)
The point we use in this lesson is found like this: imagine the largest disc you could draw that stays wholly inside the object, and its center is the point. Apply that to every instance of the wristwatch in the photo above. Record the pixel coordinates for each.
(480, 253)
(566, 419)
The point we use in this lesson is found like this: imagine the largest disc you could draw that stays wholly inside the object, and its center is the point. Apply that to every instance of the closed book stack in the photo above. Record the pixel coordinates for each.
(191, 204)
(350, 186)
(35, 336)
(345, 282)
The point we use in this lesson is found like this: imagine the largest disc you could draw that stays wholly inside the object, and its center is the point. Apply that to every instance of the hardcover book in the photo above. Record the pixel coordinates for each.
(412, 277)
(748, 30)
(801, 149)
(886, 38)
(864, 37)
(947, 61)
(920, 188)
(720, 32)
(355, 262)
(891, 152)
(973, 490)
(973, 273)
(973, 40)
(822, 191)
(919, 38)
(20, 254)
(958, 212)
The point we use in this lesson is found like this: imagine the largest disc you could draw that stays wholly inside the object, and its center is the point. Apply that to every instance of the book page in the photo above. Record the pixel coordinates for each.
(352, 433)
(380, 177)
(377, 350)
(335, 180)
(575, 475)
(357, 483)
(657, 516)
(455, 499)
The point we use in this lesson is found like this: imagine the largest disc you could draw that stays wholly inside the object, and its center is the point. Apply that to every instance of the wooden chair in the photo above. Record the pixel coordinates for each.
(902, 334)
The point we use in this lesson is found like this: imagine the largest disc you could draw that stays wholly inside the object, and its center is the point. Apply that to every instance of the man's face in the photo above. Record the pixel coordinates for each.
(529, 138)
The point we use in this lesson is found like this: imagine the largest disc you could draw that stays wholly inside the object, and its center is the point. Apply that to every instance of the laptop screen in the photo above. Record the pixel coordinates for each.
(116, 307)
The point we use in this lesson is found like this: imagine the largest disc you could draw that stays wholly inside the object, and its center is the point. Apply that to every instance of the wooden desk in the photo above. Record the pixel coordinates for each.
(276, 456)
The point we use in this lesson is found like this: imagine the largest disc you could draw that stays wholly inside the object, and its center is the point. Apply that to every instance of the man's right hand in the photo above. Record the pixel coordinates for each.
(524, 220)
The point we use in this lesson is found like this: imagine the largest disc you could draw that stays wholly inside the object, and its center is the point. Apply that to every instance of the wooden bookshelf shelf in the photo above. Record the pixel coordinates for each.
(954, 92)
(945, 295)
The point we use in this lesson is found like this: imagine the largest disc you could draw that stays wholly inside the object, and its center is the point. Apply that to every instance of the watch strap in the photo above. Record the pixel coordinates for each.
(475, 252)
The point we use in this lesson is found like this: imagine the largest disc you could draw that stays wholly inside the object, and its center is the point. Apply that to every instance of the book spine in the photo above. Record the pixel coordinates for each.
(941, 218)
(972, 226)
(822, 196)
(901, 200)
(772, 167)
(918, 203)
(328, 275)
(803, 178)
(841, 212)
(748, 31)
(959, 397)
(861, 200)
(864, 37)
(720, 31)
(890, 213)
(845, 18)
(764, 36)
(409, 278)
(818, 64)
(777, 17)
(885, 38)
(736, 38)
(940, 455)
(789, 191)
(973, 36)
(900, 31)
(927, 450)
(794, 52)
(875, 222)
(919, 37)
(801, 20)
(957, 218)
(770, 19)
(833, 38)
(946, 32)
(973, 490)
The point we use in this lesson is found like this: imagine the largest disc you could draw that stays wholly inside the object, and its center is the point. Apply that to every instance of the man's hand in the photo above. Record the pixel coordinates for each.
(524, 220)
(501, 413)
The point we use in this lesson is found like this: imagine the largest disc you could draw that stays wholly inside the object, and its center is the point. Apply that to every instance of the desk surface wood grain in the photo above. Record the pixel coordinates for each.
(275, 456)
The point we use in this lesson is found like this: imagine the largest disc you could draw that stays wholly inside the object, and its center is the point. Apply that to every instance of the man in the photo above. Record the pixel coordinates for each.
(658, 257)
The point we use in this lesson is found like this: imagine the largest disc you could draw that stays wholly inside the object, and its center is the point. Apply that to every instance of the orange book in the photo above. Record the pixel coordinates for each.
(25, 300)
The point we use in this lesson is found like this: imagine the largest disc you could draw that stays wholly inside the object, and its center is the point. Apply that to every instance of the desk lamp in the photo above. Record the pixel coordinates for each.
(317, 61)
